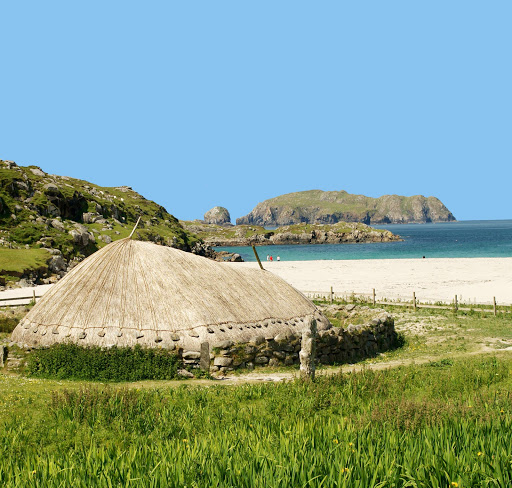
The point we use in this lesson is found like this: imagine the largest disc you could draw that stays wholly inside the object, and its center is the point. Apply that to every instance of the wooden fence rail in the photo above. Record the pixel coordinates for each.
(370, 298)
(32, 297)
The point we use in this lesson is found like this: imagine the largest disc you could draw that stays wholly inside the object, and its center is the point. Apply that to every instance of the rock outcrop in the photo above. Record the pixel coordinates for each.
(328, 207)
(205, 250)
(217, 216)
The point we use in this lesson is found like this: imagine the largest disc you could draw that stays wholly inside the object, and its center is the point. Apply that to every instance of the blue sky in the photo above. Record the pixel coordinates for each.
(196, 104)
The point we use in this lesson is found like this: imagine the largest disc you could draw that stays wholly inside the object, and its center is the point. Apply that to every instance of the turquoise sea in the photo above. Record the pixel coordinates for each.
(464, 239)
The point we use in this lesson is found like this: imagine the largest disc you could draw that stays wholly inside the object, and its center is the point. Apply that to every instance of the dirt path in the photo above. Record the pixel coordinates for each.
(261, 376)
(266, 376)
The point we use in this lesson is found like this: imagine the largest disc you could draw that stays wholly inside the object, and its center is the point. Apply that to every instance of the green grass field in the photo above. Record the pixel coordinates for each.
(435, 413)
(435, 425)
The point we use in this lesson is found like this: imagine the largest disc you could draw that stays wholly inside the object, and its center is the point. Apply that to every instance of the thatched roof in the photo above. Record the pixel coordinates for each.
(132, 292)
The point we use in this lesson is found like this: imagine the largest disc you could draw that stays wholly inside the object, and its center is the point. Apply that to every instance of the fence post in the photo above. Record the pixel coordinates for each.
(456, 303)
(374, 297)
(414, 300)
(494, 305)
(34, 296)
(331, 296)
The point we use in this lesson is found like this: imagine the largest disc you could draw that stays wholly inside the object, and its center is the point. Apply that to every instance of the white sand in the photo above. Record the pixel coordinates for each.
(471, 279)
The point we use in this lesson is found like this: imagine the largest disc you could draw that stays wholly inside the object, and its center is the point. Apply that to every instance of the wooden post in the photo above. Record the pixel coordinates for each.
(133, 230)
(414, 300)
(331, 297)
(374, 297)
(257, 257)
(308, 351)
(34, 296)
(204, 360)
(456, 303)
(494, 305)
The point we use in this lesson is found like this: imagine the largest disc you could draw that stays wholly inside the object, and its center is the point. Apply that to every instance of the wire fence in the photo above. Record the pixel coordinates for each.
(415, 301)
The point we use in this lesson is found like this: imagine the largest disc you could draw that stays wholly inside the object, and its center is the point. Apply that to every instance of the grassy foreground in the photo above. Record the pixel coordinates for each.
(446, 423)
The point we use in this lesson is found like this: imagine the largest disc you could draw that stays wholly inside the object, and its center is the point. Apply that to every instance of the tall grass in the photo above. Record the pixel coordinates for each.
(436, 425)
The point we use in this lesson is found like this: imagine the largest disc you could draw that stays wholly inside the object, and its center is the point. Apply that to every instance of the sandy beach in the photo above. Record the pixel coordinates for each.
(471, 279)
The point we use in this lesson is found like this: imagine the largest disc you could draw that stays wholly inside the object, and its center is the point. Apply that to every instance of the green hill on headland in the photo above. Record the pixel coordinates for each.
(71, 219)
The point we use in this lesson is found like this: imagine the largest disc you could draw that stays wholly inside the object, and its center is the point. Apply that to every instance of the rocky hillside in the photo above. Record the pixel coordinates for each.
(247, 235)
(328, 207)
(71, 219)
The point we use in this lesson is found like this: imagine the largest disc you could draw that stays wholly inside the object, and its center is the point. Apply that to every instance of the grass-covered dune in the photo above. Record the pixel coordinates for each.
(442, 424)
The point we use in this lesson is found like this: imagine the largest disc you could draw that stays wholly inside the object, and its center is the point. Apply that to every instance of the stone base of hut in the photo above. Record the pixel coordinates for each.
(333, 346)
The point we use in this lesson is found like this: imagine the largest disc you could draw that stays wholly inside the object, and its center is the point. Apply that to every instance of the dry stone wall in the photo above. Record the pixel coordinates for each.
(335, 345)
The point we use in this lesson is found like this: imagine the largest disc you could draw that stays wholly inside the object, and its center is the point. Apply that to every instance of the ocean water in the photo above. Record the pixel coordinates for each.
(464, 239)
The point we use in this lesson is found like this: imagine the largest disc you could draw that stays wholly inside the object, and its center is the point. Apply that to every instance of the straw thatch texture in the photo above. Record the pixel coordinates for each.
(132, 292)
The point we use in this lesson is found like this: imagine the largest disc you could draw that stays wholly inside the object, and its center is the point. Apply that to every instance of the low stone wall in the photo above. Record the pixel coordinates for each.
(333, 346)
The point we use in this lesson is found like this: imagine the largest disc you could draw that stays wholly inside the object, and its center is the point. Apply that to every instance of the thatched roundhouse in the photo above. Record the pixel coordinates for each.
(132, 292)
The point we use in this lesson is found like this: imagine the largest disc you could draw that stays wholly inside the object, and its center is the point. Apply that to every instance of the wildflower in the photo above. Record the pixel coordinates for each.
(185, 440)
(454, 484)
(479, 454)
(34, 472)
(335, 441)
(350, 444)
(346, 470)
(502, 411)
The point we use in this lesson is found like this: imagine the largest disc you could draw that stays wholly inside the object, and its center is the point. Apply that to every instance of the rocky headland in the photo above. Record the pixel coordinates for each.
(329, 207)
(248, 235)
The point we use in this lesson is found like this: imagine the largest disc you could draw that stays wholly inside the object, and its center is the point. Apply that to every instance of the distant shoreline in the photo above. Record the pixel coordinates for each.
(470, 279)
(463, 239)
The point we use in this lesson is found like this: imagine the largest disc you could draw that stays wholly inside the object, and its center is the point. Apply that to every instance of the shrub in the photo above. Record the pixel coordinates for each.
(8, 324)
(103, 364)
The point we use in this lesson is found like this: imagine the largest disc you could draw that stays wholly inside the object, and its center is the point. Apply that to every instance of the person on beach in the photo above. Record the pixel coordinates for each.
(268, 257)
(271, 258)
(278, 258)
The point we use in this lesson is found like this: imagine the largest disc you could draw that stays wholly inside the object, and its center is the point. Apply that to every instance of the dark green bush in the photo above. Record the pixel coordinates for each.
(8, 324)
(103, 364)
